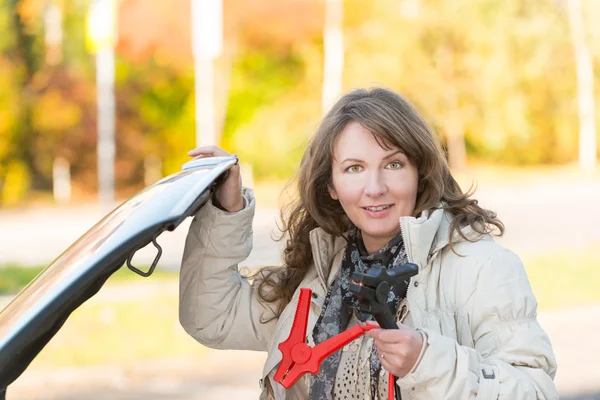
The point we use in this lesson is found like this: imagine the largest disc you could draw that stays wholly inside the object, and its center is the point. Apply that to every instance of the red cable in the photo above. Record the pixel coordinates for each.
(391, 387)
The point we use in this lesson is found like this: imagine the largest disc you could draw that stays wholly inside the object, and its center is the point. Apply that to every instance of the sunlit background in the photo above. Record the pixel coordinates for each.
(100, 98)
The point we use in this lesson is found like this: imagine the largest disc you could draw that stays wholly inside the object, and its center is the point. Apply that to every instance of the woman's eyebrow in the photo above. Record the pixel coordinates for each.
(393, 154)
(362, 161)
(352, 159)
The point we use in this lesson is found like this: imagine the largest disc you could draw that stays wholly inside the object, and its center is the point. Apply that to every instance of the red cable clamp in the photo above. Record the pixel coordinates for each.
(298, 357)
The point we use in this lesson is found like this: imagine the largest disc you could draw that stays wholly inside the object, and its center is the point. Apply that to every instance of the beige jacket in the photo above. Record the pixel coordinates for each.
(477, 308)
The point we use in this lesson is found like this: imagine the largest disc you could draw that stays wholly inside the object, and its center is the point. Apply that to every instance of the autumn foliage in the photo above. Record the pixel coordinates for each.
(498, 75)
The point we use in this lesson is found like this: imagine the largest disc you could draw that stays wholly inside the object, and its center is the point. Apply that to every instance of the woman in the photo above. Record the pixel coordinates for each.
(374, 188)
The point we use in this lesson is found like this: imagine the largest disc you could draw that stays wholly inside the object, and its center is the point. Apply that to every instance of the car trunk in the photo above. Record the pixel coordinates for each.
(38, 312)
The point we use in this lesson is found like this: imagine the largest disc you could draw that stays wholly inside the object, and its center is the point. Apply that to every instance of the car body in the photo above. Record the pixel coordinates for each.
(38, 312)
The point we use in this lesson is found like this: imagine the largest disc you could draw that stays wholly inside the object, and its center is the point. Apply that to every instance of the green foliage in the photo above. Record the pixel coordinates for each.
(258, 79)
(158, 107)
(265, 122)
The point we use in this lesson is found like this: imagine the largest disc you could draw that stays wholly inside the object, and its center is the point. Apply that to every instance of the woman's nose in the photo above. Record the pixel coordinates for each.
(375, 185)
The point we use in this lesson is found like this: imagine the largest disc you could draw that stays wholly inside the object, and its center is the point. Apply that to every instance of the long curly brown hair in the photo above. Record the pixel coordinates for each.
(393, 121)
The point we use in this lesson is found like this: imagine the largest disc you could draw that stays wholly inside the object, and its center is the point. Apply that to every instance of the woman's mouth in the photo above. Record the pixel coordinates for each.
(378, 208)
(378, 211)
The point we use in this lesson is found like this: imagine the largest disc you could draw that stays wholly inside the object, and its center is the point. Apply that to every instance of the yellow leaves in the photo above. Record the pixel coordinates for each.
(16, 183)
(177, 140)
(6, 123)
(53, 112)
(30, 12)
(8, 107)
(273, 140)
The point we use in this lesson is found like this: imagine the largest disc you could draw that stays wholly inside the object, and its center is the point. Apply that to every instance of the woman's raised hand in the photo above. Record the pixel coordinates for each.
(228, 195)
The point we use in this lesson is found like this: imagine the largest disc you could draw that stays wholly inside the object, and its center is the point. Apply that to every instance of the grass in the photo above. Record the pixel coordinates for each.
(119, 333)
(13, 277)
(565, 280)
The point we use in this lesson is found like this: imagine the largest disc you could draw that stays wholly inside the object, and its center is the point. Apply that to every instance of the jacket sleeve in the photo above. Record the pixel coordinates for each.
(217, 305)
(512, 356)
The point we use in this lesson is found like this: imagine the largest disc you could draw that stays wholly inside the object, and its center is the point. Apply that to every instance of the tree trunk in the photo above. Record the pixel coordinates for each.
(457, 150)
(585, 87)
(333, 53)
(455, 132)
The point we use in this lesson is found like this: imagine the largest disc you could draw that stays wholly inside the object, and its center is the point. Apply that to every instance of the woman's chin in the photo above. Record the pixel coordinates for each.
(380, 232)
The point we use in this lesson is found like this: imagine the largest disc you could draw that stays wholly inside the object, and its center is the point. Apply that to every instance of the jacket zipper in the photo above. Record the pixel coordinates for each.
(408, 255)
(403, 312)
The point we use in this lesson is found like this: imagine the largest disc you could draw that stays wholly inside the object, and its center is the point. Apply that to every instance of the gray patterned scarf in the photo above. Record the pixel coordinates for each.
(340, 304)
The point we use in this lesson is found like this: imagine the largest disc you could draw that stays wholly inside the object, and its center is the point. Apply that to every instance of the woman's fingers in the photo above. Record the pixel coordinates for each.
(387, 346)
(391, 335)
(208, 151)
(398, 349)
(389, 360)
(228, 194)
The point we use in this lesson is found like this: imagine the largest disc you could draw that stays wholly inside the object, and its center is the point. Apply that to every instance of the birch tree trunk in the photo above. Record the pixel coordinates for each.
(585, 87)
(333, 53)
(455, 130)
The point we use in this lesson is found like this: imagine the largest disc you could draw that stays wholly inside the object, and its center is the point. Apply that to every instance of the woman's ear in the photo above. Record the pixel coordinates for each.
(332, 192)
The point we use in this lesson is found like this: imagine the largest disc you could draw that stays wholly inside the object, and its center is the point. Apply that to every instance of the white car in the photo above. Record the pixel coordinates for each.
(34, 316)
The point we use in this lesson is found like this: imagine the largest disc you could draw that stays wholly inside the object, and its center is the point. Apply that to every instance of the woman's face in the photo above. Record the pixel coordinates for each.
(375, 186)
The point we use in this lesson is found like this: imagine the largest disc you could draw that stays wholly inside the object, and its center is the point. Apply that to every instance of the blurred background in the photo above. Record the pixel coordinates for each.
(99, 98)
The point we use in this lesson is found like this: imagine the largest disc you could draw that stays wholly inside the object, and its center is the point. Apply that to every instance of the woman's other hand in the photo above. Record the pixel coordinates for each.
(228, 195)
(398, 349)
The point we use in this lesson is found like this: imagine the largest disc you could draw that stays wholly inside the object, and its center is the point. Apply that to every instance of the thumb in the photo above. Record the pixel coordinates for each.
(234, 171)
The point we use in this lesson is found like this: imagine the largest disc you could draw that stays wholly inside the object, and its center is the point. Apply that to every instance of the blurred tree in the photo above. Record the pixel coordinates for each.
(51, 105)
(274, 101)
(497, 80)
(9, 105)
(500, 71)
(22, 53)
(592, 15)
(262, 73)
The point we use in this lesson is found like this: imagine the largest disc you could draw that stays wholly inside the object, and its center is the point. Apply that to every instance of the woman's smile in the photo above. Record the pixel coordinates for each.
(380, 211)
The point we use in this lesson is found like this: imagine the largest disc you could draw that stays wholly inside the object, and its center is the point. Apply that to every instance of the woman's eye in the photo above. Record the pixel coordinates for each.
(394, 165)
(354, 168)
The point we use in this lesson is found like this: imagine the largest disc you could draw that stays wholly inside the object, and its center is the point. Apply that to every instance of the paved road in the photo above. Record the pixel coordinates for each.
(553, 215)
(37, 236)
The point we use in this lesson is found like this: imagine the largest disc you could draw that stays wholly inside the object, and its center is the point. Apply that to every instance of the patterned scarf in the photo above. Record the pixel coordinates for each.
(340, 304)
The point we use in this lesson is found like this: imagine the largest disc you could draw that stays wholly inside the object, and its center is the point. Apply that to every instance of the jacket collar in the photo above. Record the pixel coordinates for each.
(424, 236)
(325, 247)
